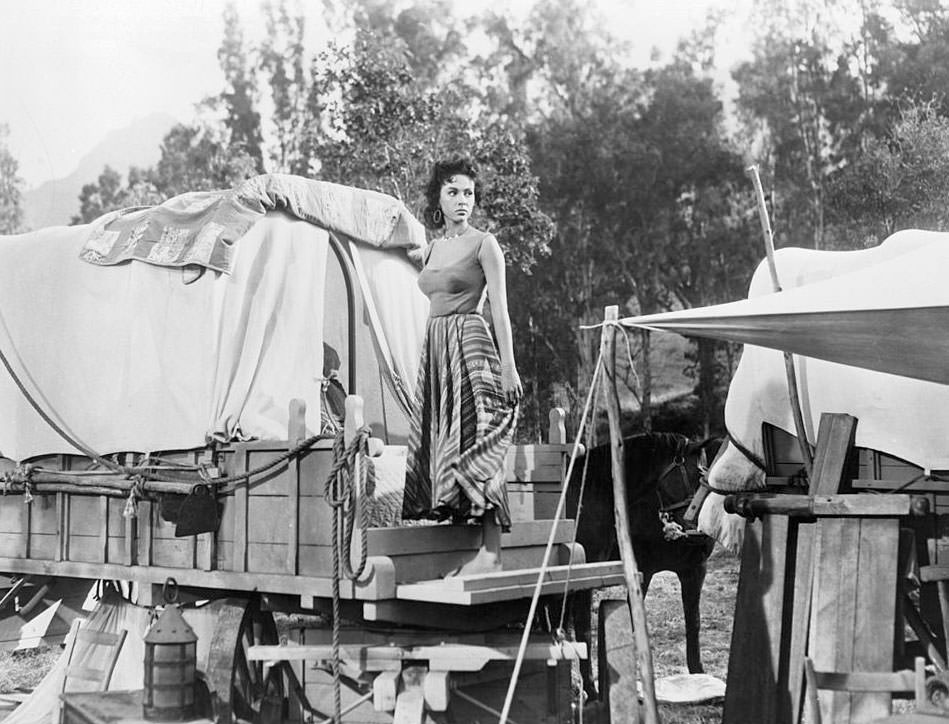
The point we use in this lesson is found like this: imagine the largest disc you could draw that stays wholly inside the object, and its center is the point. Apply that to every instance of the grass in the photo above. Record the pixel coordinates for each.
(23, 670)
(667, 632)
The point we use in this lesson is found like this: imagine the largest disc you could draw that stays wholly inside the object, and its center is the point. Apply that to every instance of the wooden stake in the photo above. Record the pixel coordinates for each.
(634, 591)
(806, 454)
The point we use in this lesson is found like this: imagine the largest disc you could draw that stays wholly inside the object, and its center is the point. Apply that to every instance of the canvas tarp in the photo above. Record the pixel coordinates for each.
(130, 358)
(871, 329)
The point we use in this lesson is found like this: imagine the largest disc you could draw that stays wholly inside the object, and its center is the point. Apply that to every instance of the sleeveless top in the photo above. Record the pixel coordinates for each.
(456, 288)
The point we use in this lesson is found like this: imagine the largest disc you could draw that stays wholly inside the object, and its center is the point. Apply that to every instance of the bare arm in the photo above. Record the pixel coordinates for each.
(492, 261)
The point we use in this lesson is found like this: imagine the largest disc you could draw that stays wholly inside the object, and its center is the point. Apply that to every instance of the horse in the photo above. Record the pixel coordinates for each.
(663, 472)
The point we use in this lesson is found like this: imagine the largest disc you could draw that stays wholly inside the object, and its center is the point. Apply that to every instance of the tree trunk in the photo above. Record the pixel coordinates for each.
(706, 385)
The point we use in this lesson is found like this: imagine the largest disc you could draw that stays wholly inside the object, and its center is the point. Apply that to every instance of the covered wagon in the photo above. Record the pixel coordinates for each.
(172, 401)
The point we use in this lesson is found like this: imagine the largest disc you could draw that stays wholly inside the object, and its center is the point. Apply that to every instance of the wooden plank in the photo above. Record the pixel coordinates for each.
(273, 482)
(267, 557)
(139, 548)
(240, 510)
(104, 528)
(11, 544)
(834, 605)
(62, 527)
(11, 513)
(207, 549)
(219, 580)
(516, 586)
(617, 661)
(753, 688)
(432, 538)
(876, 588)
(43, 547)
(834, 441)
(44, 514)
(444, 616)
(296, 434)
(494, 579)
(266, 518)
(929, 486)
(26, 513)
(442, 656)
(84, 512)
(844, 505)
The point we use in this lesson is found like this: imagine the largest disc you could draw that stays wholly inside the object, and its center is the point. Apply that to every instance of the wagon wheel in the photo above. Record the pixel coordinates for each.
(241, 690)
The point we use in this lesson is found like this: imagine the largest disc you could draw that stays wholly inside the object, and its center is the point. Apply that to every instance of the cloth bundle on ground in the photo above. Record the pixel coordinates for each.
(126, 357)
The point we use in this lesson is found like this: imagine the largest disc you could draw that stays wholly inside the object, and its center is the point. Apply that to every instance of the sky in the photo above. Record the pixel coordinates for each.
(72, 70)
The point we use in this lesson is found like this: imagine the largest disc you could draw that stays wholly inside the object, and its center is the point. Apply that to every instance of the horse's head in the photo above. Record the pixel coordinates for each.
(662, 473)
(735, 469)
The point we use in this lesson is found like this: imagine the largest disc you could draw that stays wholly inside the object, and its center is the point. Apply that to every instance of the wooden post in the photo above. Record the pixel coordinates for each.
(296, 433)
(621, 516)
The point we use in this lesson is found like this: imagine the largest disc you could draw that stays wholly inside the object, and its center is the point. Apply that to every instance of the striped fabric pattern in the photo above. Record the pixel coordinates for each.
(461, 426)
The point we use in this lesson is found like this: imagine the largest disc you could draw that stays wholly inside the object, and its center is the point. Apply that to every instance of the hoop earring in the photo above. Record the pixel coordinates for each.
(437, 216)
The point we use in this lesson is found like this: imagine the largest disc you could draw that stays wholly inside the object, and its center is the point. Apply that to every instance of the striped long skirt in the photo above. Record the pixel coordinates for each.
(461, 426)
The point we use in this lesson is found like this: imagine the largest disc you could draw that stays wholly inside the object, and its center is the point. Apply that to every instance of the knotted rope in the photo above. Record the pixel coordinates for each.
(348, 479)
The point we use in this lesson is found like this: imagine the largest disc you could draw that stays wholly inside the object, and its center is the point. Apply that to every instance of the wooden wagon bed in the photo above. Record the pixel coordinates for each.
(275, 536)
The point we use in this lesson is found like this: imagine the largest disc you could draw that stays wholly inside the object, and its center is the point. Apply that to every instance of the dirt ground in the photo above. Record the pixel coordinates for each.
(667, 632)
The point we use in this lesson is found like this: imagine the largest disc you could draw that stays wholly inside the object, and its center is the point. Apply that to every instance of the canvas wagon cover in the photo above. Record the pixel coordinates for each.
(129, 357)
(870, 331)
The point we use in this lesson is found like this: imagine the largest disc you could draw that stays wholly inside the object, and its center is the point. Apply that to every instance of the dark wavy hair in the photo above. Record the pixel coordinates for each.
(442, 173)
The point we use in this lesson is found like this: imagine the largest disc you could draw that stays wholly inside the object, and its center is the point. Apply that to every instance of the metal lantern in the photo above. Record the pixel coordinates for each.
(170, 663)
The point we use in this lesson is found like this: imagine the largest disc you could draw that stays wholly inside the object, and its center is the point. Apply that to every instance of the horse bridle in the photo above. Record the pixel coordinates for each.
(677, 463)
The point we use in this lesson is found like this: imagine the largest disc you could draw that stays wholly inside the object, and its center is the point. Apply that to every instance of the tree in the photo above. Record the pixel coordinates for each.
(900, 181)
(282, 59)
(241, 120)
(11, 187)
(193, 158)
(97, 198)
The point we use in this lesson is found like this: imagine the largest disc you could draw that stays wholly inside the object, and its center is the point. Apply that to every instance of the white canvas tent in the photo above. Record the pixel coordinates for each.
(891, 316)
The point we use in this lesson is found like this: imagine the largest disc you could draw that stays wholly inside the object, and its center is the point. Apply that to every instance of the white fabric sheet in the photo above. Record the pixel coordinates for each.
(129, 358)
(899, 415)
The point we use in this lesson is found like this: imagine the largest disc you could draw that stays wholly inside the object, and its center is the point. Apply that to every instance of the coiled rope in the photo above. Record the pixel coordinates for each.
(349, 479)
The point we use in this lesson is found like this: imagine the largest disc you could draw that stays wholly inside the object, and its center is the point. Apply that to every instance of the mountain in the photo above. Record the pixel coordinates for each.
(56, 202)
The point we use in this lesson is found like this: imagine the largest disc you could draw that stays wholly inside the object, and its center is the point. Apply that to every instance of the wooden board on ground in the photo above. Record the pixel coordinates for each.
(616, 653)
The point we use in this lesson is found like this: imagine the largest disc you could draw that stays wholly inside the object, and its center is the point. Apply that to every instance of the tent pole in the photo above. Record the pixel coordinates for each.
(634, 591)
(806, 454)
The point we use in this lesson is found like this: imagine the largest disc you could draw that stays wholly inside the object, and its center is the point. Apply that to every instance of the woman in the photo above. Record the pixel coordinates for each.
(468, 389)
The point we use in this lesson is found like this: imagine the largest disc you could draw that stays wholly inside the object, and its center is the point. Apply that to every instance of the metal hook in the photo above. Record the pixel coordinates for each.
(169, 590)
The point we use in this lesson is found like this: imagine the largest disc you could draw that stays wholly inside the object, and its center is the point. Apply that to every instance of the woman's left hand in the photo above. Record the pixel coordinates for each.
(511, 384)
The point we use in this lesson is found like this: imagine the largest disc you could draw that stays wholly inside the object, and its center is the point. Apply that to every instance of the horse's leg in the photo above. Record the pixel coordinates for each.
(690, 582)
(647, 579)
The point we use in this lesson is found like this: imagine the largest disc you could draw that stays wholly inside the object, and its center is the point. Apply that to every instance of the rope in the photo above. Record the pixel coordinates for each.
(576, 529)
(341, 494)
(280, 459)
(541, 574)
